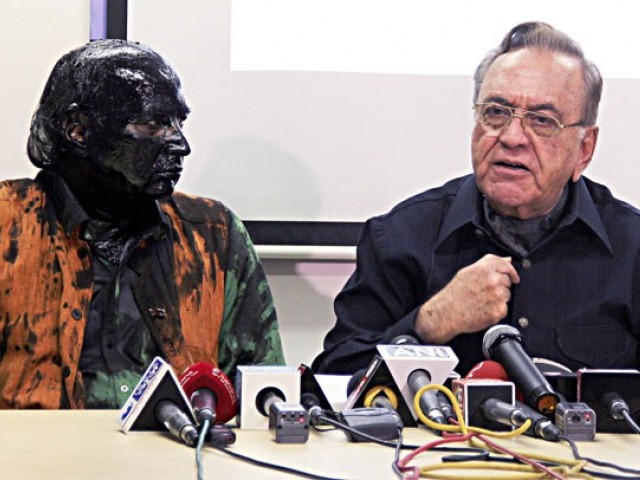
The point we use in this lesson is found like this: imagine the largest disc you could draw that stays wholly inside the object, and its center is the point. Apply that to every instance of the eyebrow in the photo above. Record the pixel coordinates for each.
(533, 108)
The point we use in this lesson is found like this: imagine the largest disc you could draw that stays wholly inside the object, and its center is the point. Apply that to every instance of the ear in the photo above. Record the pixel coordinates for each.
(74, 126)
(587, 147)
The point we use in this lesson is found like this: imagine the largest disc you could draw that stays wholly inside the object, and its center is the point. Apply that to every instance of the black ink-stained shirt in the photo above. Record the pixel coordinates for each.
(578, 301)
(82, 313)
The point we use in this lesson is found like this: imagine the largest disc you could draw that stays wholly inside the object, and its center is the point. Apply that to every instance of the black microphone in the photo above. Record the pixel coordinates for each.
(417, 379)
(375, 397)
(502, 343)
(267, 397)
(429, 402)
(516, 415)
(541, 426)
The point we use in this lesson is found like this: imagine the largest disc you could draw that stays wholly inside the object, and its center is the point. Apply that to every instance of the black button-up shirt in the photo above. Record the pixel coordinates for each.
(118, 345)
(578, 301)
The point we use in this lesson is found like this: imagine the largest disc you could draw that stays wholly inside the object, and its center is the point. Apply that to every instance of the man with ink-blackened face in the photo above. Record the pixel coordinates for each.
(107, 266)
(132, 130)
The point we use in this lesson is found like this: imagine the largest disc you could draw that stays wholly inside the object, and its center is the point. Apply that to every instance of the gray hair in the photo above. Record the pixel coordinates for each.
(543, 36)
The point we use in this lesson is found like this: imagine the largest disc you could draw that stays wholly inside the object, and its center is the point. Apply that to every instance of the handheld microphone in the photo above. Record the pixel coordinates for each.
(176, 421)
(541, 426)
(503, 344)
(417, 379)
(516, 415)
(429, 402)
(267, 397)
(158, 403)
(211, 393)
(614, 395)
(379, 396)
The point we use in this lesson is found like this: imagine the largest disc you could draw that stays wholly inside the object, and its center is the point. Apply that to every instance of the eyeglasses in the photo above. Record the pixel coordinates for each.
(494, 117)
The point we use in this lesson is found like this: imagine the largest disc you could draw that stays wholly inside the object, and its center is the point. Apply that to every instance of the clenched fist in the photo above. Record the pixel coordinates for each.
(475, 299)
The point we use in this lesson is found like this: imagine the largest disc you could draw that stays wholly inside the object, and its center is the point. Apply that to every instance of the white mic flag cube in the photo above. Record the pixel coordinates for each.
(256, 383)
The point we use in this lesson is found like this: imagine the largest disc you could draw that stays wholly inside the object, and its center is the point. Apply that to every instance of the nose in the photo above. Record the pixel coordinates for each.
(514, 132)
(177, 143)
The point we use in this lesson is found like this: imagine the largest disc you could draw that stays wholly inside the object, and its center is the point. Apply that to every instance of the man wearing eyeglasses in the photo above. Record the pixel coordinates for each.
(526, 240)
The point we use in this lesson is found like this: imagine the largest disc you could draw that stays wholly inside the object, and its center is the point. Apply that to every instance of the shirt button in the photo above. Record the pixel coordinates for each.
(76, 313)
(479, 233)
(526, 264)
(124, 388)
(523, 322)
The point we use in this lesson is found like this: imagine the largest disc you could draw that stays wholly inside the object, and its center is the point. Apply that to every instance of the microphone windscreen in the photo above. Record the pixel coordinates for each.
(488, 369)
(495, 334)
(404, 339)
(203, 375)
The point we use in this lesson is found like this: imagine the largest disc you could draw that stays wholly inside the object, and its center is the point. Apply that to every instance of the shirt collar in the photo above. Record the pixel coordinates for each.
(466, 210)
(73, 217)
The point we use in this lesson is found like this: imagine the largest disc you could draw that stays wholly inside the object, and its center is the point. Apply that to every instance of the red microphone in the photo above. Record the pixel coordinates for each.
(210, 392)
(491, 369)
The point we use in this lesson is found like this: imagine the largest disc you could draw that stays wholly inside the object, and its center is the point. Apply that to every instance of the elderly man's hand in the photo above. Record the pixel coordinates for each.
(476, 298)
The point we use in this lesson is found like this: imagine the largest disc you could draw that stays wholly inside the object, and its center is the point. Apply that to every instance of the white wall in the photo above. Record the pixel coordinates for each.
(304, 145)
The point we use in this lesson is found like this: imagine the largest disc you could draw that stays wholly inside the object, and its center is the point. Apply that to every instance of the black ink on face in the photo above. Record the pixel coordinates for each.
(110, 122)
(137, 143)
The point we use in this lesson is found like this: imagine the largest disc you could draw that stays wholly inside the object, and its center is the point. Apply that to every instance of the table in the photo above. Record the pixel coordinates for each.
(88, 444)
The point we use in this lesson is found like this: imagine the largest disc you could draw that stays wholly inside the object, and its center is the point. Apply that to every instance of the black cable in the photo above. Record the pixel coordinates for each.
(629, 419)
(335, 424)
(599, 463)
(280, 468)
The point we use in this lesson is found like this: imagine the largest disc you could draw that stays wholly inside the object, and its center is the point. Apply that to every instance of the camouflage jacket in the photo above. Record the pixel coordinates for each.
(216, 307)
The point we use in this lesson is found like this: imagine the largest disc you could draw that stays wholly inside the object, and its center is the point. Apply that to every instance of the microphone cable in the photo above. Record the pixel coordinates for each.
(478, 437)
(619, 410)
(600, 463)
(272, 466)
(203, 432)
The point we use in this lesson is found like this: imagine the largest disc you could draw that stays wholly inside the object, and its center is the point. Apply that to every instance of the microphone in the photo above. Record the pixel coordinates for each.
(429, 402)
(417, 379)
(158, 403)
(176, 421)
(259, 387)
(614, 395)
(516, 415)
(541, 426)
(267, 397)
(379, 396)
(210, 392)
(503, 344)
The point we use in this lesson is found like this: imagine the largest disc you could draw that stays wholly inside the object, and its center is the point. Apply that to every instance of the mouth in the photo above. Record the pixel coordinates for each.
(511, 165)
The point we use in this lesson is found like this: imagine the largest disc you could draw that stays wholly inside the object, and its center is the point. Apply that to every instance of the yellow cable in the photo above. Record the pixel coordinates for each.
(373, 393)
(520, 472)
(564, 467)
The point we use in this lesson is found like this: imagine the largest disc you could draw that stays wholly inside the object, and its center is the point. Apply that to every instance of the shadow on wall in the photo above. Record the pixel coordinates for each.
(303, 293)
